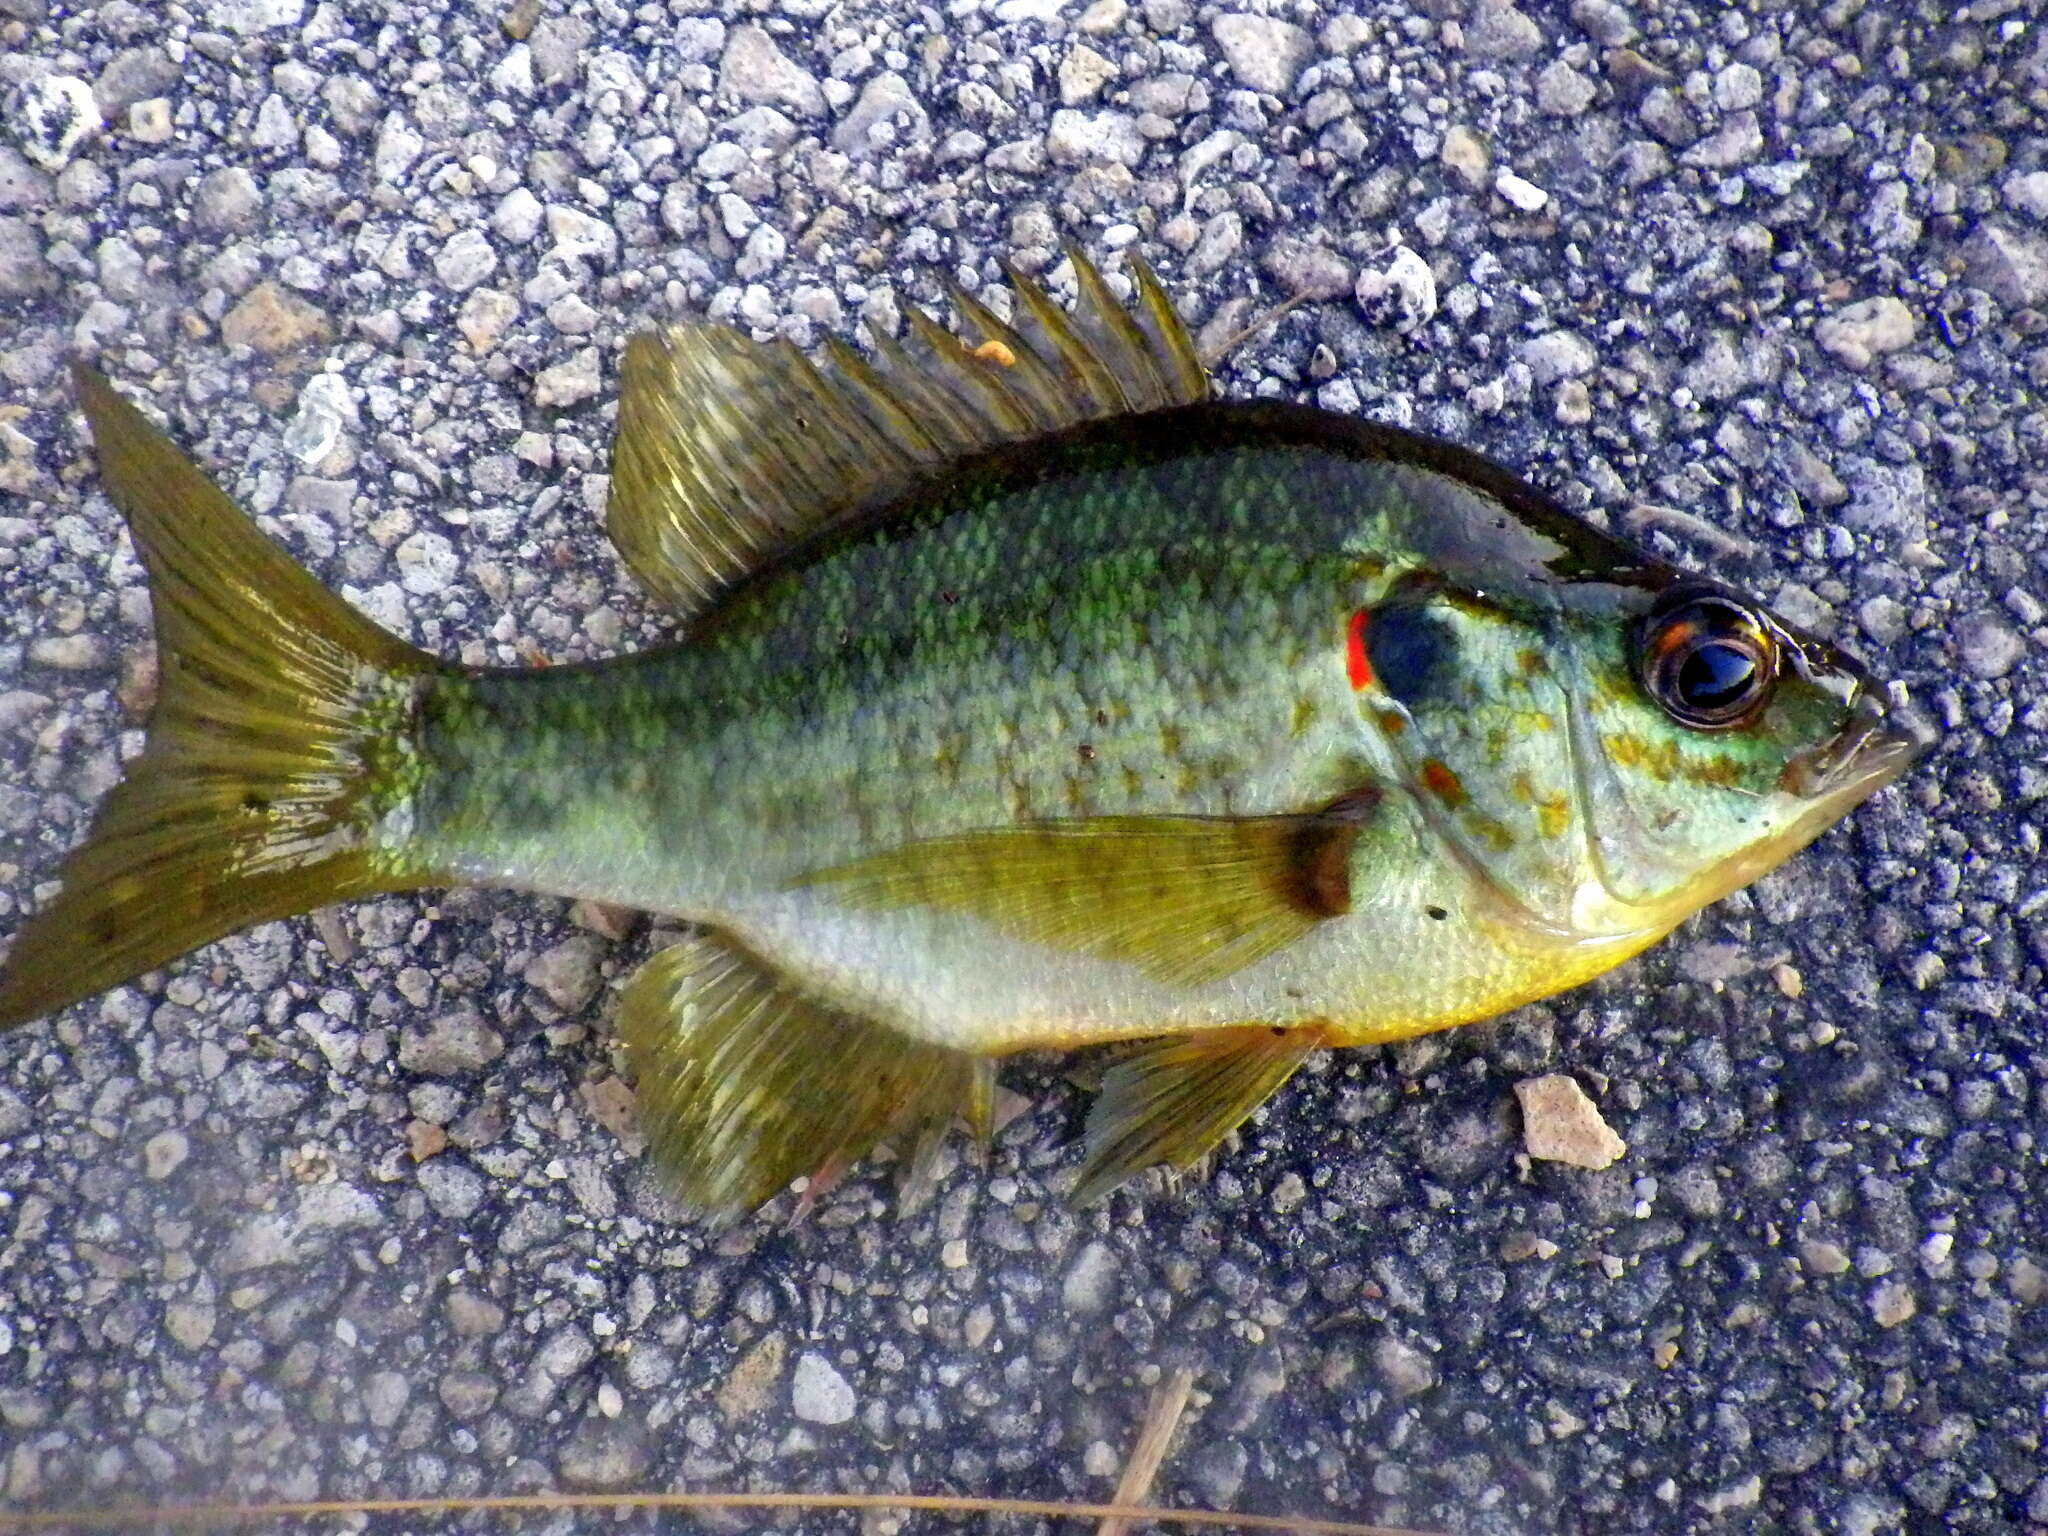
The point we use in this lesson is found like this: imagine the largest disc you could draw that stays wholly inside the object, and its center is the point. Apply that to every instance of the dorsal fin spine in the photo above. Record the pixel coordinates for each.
(729, 450)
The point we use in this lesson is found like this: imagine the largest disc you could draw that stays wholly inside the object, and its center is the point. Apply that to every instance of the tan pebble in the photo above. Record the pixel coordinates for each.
(273, 320)
(425, 1139)
(483, 318)
(747, 1390)
(1822, 1258)
(1518, 1246)
(1892, 1303)
(603, 919)
(1560, 1124)
(611, 1105)
(1465, 153)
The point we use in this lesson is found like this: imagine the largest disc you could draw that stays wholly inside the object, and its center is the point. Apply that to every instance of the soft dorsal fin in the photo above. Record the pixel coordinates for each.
(729, 449)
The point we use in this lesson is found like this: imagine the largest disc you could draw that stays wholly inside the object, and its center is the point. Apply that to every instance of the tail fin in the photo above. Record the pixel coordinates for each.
(278, 738)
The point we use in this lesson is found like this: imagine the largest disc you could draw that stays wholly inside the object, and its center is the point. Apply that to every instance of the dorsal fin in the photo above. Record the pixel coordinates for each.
(729, 449)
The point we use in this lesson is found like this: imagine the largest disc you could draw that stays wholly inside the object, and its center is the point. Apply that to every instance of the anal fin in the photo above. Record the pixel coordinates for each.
(1173, 1099)
(745, 1083)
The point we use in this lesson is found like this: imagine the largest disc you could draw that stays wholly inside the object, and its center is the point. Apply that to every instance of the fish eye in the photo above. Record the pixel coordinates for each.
(1708, 661)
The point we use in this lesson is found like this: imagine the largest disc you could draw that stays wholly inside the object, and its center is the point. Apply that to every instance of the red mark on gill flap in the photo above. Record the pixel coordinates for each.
(1355, 660)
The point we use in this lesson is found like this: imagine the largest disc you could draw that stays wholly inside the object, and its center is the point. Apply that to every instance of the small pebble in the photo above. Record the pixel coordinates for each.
(818, 1393)
(455, 1043)
(54, 115)
(1091, 1280)
(1866, 330)
(1525, 195)
(1892, 1303)
(1263, 52)
(1560, 1124)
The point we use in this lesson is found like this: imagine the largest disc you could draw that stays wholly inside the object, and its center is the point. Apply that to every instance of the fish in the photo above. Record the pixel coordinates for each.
(1024, 696)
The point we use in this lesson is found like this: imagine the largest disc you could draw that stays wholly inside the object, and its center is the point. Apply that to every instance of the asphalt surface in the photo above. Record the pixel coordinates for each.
(341, 1206)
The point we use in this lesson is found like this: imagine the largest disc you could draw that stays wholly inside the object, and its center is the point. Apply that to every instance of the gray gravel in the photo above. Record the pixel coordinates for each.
(352, 1205)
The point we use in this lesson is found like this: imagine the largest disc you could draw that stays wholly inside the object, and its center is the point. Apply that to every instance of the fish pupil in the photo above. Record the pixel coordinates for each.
(1716, 675)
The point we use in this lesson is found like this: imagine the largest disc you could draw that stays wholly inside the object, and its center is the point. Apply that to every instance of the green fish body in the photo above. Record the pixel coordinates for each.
(1025, 699)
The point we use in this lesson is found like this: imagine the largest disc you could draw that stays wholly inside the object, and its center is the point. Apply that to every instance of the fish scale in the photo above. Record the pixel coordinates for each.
(1023, 697)
(1194, 678)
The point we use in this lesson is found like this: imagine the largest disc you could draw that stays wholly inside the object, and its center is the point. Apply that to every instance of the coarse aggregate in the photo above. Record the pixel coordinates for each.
(352, 1206)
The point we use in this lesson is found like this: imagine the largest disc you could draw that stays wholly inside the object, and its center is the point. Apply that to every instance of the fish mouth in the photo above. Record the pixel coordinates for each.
(1880, 742)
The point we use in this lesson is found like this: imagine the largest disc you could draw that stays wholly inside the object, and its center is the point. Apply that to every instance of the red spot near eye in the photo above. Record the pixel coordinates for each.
(1355, 659)
(1439, 779)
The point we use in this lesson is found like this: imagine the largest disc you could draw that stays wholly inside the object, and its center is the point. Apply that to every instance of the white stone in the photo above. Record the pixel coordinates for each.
(1083, 74)
(517, 217)
(1264, 53)
(1522, 194)
(1090, 1283)
(577, 233)
(1403, 295)
(1077, 138)
(325, 412)
(568, 382)
(149, 122)
(397, 147)
(886, 107)
(818, 1393)
(56, 114)
(2027, 192)
(466, 260)
(754, 69)
(1558, 355)
(427, 563)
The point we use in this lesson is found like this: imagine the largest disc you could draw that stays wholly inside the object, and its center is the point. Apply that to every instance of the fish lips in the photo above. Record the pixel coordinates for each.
(1880, 742)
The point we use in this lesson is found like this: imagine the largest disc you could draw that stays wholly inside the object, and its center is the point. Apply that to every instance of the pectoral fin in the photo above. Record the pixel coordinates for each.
(1187, 899)
(1172, 1100)
(745, 1083)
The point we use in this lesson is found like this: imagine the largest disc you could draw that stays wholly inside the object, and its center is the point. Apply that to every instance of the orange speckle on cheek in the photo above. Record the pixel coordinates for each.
(1440, 781)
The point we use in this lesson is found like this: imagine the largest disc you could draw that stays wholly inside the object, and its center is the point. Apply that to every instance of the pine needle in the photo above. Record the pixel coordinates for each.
(1269, 316)
(1162, 1417)
(224, 1514)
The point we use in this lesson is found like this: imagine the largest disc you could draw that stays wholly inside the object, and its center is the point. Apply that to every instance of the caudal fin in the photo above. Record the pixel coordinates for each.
(278, 739)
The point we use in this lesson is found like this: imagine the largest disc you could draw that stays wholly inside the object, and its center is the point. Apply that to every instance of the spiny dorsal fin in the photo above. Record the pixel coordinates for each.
(1171, 1100)
(729, 449)
(1186, 899)
(744, 1082)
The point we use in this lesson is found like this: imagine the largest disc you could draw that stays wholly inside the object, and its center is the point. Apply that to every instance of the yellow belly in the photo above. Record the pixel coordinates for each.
(1379, 974)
